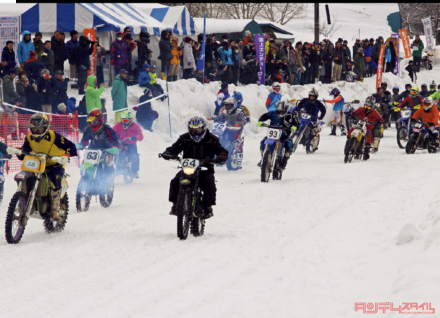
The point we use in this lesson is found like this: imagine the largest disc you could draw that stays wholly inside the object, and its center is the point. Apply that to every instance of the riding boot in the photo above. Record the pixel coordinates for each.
(342, 127)
(333, 133)
(173, 210)
(55, 203)
(175, 78)
(367, 152)
(261, 161)
(285, 159)
(376, 142)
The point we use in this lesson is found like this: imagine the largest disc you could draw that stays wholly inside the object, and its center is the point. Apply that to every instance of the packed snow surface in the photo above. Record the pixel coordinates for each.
(311, 245)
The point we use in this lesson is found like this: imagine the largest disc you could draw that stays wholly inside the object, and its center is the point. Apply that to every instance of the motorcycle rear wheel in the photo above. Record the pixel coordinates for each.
(106, 198)
(58, 226)
(13, 228)
(266, 166)
(183, 210)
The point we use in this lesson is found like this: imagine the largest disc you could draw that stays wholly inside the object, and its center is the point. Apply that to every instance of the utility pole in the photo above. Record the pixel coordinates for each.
(317, 22)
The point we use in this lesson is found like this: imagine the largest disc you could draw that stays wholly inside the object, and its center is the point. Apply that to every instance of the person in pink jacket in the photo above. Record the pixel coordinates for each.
(131, 132)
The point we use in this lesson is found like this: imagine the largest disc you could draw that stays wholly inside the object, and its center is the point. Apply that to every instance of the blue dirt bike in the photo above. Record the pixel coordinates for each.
(404, 129)
(308, 133)
(274, 149)
(235, 147)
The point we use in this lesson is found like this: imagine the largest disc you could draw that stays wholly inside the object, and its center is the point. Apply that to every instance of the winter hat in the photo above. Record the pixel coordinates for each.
(144, 34)
(187, 39)
(147, 91)
(153, 66)
(38, 34)
(62, 107)
(33, 54)
(123, 71)
(72, 33)
(360, 49)
(380, 38)
(238, 40)
(146, 65)
(247, 32)
(224, 85)
(119, 32)
(45, 70)
(127, 36)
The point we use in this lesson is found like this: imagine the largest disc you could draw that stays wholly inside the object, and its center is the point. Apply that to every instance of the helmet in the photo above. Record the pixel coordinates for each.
(369, 104)
(276, 87)
(414, 91)
(384, 85)
(238, 99)
(147, 91)
(126, 119)
(229, 104)
(197, 128)
(315, 42)
(282, 108)
(335, 92)
(95, 118)
(424, 85)
(427, 104)
(323, 43)
(313, 92)
(395, 88)
(432, 86)
(39, 126)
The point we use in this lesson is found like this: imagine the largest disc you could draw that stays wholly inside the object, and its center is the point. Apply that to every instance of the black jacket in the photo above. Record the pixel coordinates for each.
(165, 47)
(105, 139)
(48, 85)
(315, 56)
(209, 147)
(208, 52)
(82, 52)
(312, 108)
(144, 112)
(59, 49)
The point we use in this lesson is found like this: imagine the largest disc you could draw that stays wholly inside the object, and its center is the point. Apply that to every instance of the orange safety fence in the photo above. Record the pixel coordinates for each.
(14, 129)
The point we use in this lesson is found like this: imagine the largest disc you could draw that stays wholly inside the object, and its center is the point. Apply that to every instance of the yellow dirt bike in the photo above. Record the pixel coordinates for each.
(32, 199)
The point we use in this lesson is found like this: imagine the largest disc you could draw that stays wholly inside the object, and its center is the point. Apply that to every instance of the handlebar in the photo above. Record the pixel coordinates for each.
(178, 159)
(6, 157)
(271, 126)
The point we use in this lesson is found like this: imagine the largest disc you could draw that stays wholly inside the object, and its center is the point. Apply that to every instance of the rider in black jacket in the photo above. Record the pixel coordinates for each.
(200, 144)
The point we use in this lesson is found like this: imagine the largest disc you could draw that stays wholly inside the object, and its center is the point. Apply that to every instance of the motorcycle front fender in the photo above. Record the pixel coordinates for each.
(87, 169)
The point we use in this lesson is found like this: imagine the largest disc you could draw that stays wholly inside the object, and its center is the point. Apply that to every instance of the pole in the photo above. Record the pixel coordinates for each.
(168, 97)
(317, 22)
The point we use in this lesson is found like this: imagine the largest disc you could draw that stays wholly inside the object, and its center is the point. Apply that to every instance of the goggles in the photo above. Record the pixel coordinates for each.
(196, 131)
(38, 131)
(367, 107)
(125, 121)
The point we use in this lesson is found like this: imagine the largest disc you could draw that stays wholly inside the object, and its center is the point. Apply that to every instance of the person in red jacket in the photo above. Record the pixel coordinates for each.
(131, 132)
(430, 115)
(373, 127)
(414, 100)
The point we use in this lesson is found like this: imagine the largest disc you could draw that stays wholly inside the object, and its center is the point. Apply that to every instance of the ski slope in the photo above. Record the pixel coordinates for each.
(311, 245)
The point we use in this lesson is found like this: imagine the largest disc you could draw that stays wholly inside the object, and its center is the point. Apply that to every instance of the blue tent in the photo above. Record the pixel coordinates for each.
(48, 17)
(177, 17)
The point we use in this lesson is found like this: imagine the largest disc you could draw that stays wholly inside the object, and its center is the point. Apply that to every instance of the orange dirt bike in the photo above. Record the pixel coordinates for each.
(32, 199)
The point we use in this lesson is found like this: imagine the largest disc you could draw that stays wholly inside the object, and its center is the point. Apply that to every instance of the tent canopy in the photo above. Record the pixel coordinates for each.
(233, 27)
(48, 17)
(178, 18)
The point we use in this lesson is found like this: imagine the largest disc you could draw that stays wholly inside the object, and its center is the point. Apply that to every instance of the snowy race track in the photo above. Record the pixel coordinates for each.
(309, 245)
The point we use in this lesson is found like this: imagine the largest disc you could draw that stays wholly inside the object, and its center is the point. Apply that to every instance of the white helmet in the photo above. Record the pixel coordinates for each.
(227, 102)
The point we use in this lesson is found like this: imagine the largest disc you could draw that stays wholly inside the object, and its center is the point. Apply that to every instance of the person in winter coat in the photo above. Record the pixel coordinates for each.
(209, 53)
(306, 62)
(9, 93)
(20, 87)
(38, 44)
(32, 99)
(166, 55)
(8, 55)
(70, 48)
(156, 88)
(118, 53)
(248, 37)
(250, 70)
(356, 47)
(45, 90)
(315, 61)
(225, 53)
(376, 49)
(144, 76)
(59, 90)
(119, 94)
(412, 70)
(71, 105)
(188, 58)
(417, 48)
(144, 52)
(388, 58)
(32, 68)
(328, 57)
(93, 99)
(129, 129)
(24, 48)
(338, 60)
(130, 47)
(359, 64)
(175, 62)
(222, 95)
(58, 48)
(338, 106)
(370, 65)
(50, 57)
(82, 52)
(144, 114)
(101, 53)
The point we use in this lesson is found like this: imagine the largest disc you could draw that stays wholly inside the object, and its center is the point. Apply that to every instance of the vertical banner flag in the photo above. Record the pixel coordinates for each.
(395, 37)
(91, 35)
(260, 49)
(428, 33)
(201, 60)
(405, 42)
(380, 66)
(10, 31)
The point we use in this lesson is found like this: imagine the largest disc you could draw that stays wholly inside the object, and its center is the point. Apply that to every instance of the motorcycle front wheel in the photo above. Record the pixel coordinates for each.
(410, 147)
(402, 137)
(13, 228)
(183, 210)
(266, 166)
(58, 226)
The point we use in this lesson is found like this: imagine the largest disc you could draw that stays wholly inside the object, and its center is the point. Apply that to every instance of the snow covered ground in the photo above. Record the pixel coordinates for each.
(311, 245)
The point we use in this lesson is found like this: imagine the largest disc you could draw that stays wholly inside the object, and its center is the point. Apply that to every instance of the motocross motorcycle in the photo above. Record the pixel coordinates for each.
(404, 128)
(123, 165)
(273, 155)
(94, 181)
(234, 147)
(354, 147)
(420, 139)
(189, 207)
(32, 199)
(350, 121)
(307, 134)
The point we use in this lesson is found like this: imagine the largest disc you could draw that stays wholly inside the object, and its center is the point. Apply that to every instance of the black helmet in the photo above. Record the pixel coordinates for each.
(282, 108)
(369, 104)
(313, 92)
(384, 85)
(39, 126)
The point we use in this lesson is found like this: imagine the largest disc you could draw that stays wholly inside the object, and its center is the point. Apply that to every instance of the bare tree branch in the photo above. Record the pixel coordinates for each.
(325, 29)
(282, 12)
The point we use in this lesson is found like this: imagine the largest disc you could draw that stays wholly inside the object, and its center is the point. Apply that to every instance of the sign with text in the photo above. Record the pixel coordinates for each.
(380, 66)
(260, 50)
(405, 42)
(428, 33)
(90, 34)
(395, 37)
(10, 31)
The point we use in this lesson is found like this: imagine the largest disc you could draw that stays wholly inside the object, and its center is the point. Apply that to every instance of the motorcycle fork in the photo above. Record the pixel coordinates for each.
(32, 195)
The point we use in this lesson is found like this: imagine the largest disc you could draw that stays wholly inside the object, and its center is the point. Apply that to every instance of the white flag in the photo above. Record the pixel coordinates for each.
(428, 34)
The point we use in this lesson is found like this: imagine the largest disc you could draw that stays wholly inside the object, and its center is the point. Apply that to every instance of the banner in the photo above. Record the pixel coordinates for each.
(10, 31)
(380, 67)
(91, 35)
(428, 33)
(201, 60)
(405, 42)
(260, 49)
(395, 37)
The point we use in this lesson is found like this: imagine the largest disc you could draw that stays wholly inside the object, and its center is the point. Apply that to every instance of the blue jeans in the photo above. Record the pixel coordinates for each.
(297, 78)
(417, 60)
